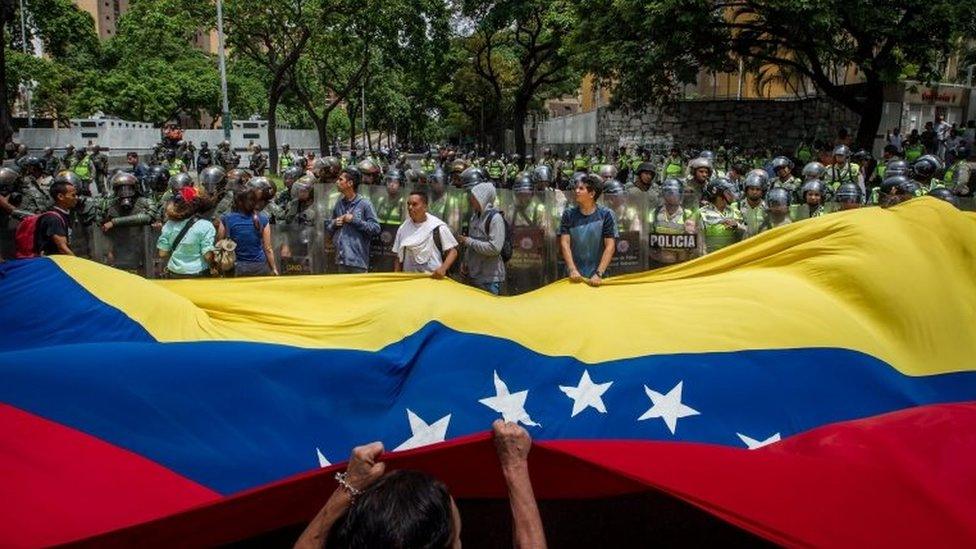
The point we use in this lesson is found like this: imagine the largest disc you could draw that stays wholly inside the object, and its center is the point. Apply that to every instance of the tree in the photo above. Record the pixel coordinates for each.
(647, 50)
(273, 34)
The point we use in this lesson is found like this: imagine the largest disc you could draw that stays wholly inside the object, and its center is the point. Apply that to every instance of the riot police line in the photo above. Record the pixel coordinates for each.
(533, 211)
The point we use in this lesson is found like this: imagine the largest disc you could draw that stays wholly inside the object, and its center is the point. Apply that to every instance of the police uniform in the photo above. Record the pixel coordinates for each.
(714, 232)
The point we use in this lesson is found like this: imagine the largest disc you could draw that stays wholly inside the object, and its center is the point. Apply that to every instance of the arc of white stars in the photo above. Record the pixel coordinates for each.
(586, 394)
(510, 405)
(668, 407)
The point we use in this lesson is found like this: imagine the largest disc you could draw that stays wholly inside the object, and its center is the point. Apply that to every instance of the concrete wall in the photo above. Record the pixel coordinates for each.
(119, 136)
(746, 123)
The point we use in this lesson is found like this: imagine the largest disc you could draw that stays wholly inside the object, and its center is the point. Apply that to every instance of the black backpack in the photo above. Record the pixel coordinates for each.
(506, 252)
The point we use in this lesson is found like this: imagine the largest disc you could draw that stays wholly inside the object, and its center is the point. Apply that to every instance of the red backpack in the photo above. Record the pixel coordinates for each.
(26, 235)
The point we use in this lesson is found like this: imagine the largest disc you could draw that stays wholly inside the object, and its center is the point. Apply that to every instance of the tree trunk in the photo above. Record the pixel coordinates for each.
(6, 130)
(273, 99)
(322, 126)
(518, 125)
(351, 114)
(871, 114)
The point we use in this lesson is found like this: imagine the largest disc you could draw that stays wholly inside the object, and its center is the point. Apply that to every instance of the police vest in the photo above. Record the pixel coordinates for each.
(950, 174)
(673, 169)
(580, 163)
(716, 234)
(176, 167)
(286, 161)
(495, 169)
(913, 152)
(83, 168)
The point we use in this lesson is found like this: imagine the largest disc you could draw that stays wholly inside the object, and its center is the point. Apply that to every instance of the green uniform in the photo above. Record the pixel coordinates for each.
(711, 225)
(36, 200)
(495, 169)
(580, 163)
(428, 166)
(389, 209)
(792, 184)
(838, 175)
(176, 167)
(660, 221)
(768, 223)
(914, 152)
(802, 211)
(752, 216)
(285, 161)
(673, 167)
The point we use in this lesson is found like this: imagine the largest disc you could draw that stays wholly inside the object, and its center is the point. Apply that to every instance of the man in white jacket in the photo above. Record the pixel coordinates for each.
(418, 247)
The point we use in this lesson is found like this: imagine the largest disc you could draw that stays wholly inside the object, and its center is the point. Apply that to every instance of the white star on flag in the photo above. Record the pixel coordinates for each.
(510, 405)
(322, 461)
(753, 443)
(586, 394)
(423, 434)
(667, 407)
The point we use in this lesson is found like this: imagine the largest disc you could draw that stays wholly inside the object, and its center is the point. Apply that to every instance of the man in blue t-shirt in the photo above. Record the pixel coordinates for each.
(587, 234)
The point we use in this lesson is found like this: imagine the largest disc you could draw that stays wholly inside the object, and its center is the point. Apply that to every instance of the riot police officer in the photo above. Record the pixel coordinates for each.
(205, 157)
(259, 161)
(719, 222)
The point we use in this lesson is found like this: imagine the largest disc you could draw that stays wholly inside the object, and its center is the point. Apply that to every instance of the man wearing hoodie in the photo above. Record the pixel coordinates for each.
(483, 262)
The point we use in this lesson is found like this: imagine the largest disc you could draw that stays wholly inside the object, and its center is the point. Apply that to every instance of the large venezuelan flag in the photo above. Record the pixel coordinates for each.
(815, 385)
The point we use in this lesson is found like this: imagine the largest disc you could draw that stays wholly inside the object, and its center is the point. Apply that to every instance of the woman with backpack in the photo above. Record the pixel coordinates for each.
(249, 228)
(187, 241)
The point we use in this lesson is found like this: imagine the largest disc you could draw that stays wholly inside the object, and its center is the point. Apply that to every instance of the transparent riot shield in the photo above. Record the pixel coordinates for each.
(326, 197)
(557, 202)
(530, 225)
(672, 234)
(967, 203)
(121, 247)
(156, 265)
(752, 217)
(692, 196)
(391, 211)
(629, 211)
(294, 245)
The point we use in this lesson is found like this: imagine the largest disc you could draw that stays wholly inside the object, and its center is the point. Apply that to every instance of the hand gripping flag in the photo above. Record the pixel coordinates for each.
(813, 386)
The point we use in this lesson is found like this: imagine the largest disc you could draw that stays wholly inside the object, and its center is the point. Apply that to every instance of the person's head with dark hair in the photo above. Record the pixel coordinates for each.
(187, 203)
(417, 206)
(404, 509)
(591, 185)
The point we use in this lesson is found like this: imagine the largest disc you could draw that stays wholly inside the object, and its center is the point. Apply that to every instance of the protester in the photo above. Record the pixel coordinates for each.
(52, 234)
(353, 224)
(187, 241)
(248, 227)
(422, 241)
(587, 234)
(483, 262)
(410, 509)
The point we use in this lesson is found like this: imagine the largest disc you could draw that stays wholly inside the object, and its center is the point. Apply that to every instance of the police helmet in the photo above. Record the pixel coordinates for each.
(158, 178)
(204, 145)
(700, 162)
(291, 174)
(236, 178)
(613, 187)
(707, 154)
(393, 174)
(213, 178)
(608, 171)
(778, 196)
(848, 193)
(756, 178)
(438, 176)
(926, 167)
(327, 167)
(719, 187)
(813, 170)
(9, 178)
(898, 185)
(672, 186)
(471, 177)
(813, 186)
(523, 183)
(842, 150)
(780, 162)
(542, 174)
(646, 167)
(262, 186)
(48, 151)
(303, 183)
(943, 193)
(897, 167)
(179, 181)
(121, 179)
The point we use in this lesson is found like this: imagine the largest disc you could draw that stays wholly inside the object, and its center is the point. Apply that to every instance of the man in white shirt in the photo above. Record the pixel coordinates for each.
(418, 247)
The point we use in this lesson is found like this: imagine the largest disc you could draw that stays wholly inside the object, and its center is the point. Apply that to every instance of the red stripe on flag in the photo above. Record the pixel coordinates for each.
(900, 479)
(60, 484)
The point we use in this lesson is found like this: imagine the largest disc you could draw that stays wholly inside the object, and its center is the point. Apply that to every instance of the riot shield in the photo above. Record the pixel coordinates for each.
(123, 248)
(967, 203)
(530, 225)
(294, 246)
(672, 235)
(326, 197)
(629, 211)
(753, 218)
(156, 266)
(556, 203)
(391, 211)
